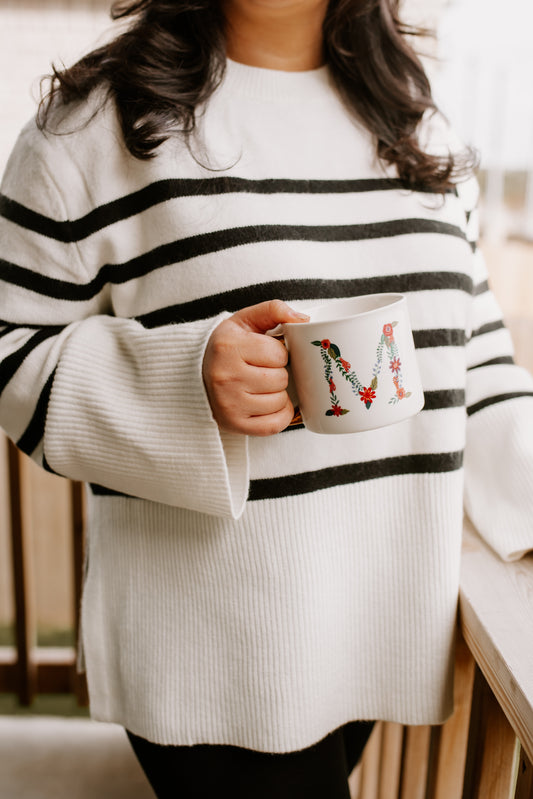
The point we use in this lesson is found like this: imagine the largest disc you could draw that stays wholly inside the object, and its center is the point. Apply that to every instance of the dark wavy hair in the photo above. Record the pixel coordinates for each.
(171, 58)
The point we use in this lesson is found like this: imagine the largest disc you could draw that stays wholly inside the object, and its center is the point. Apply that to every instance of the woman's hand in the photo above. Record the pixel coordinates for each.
(244, 371)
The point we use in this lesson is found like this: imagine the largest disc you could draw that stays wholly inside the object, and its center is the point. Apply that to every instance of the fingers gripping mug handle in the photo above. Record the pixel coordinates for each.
(277, 332)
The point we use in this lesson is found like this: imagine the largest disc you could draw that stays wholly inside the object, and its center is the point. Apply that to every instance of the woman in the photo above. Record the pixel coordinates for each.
(256, 595)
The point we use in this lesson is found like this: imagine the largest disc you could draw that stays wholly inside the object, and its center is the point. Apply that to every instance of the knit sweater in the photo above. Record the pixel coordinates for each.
(254, 591)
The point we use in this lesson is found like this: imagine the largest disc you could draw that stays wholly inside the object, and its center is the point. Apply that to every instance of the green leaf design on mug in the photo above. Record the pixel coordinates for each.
(331, 355)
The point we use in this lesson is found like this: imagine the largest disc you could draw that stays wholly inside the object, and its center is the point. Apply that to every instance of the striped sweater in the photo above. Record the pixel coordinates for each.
(254, 591)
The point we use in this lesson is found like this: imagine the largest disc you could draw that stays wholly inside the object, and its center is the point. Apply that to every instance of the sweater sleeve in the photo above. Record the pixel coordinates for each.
(499, 440)
(89, 395)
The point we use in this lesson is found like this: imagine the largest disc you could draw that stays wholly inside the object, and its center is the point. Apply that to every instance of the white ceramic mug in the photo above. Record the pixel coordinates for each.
(353, 364)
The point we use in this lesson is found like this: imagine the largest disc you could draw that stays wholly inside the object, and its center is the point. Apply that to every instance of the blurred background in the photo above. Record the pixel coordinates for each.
(480, 62)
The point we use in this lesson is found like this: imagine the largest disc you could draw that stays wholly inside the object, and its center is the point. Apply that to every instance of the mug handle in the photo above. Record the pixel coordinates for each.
(296, 419)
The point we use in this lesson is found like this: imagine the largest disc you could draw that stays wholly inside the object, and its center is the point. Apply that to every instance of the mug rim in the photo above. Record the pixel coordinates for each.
(396, 298)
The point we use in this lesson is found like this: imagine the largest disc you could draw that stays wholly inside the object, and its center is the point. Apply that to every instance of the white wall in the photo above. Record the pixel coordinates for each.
(33, 33)
(484, 83)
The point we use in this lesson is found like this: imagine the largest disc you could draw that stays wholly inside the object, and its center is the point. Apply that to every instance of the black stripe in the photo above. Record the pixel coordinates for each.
(30, 326)
(307, 482)
(51, 286)
(478, 406)
(34, 432)
(507, 359)
(296, 290)
(444, 398)
(216, 241)
(481, 288)
(9, 365)
(441, 337)
(103, 491)
(488, 328)
(164, 190)
(307, 289)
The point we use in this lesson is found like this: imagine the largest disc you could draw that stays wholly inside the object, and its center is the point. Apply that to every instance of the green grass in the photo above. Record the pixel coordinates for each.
(7, 635)
(45, 636)
(51, 637)
(43, 705)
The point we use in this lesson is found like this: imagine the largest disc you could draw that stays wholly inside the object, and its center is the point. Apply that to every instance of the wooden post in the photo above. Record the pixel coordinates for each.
(370, 765)
(415, 762)
(496, 608)
(78, 551)
(447, 770)
(25, 628)
(390, 765)
(491, 745)
(524, 780)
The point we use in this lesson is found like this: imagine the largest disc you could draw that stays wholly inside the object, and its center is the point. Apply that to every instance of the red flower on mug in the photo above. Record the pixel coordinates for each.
(337, 410)
(367, 395)
(388, 330)
(345, 365)
(332, 385)
(325, 343)
(400, 393)
(395, 365)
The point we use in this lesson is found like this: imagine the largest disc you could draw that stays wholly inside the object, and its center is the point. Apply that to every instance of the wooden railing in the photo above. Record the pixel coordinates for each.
(27, 669)
(484, 751)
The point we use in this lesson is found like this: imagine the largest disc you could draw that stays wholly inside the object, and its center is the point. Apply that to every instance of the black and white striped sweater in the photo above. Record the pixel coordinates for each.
(258, 592)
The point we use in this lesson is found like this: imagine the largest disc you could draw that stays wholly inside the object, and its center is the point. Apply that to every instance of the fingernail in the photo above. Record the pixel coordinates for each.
(303, 316)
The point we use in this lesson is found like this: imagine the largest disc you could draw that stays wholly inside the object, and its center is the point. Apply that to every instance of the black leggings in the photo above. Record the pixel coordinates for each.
(204, 771)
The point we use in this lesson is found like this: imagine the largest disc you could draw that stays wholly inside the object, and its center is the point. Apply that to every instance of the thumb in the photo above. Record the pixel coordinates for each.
(267, 315)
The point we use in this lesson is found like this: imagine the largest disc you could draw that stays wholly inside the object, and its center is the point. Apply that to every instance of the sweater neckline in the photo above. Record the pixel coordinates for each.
(275, 84)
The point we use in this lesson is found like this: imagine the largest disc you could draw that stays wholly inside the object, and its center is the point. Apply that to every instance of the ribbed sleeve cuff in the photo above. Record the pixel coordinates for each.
(128, 410)
(499, 476)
